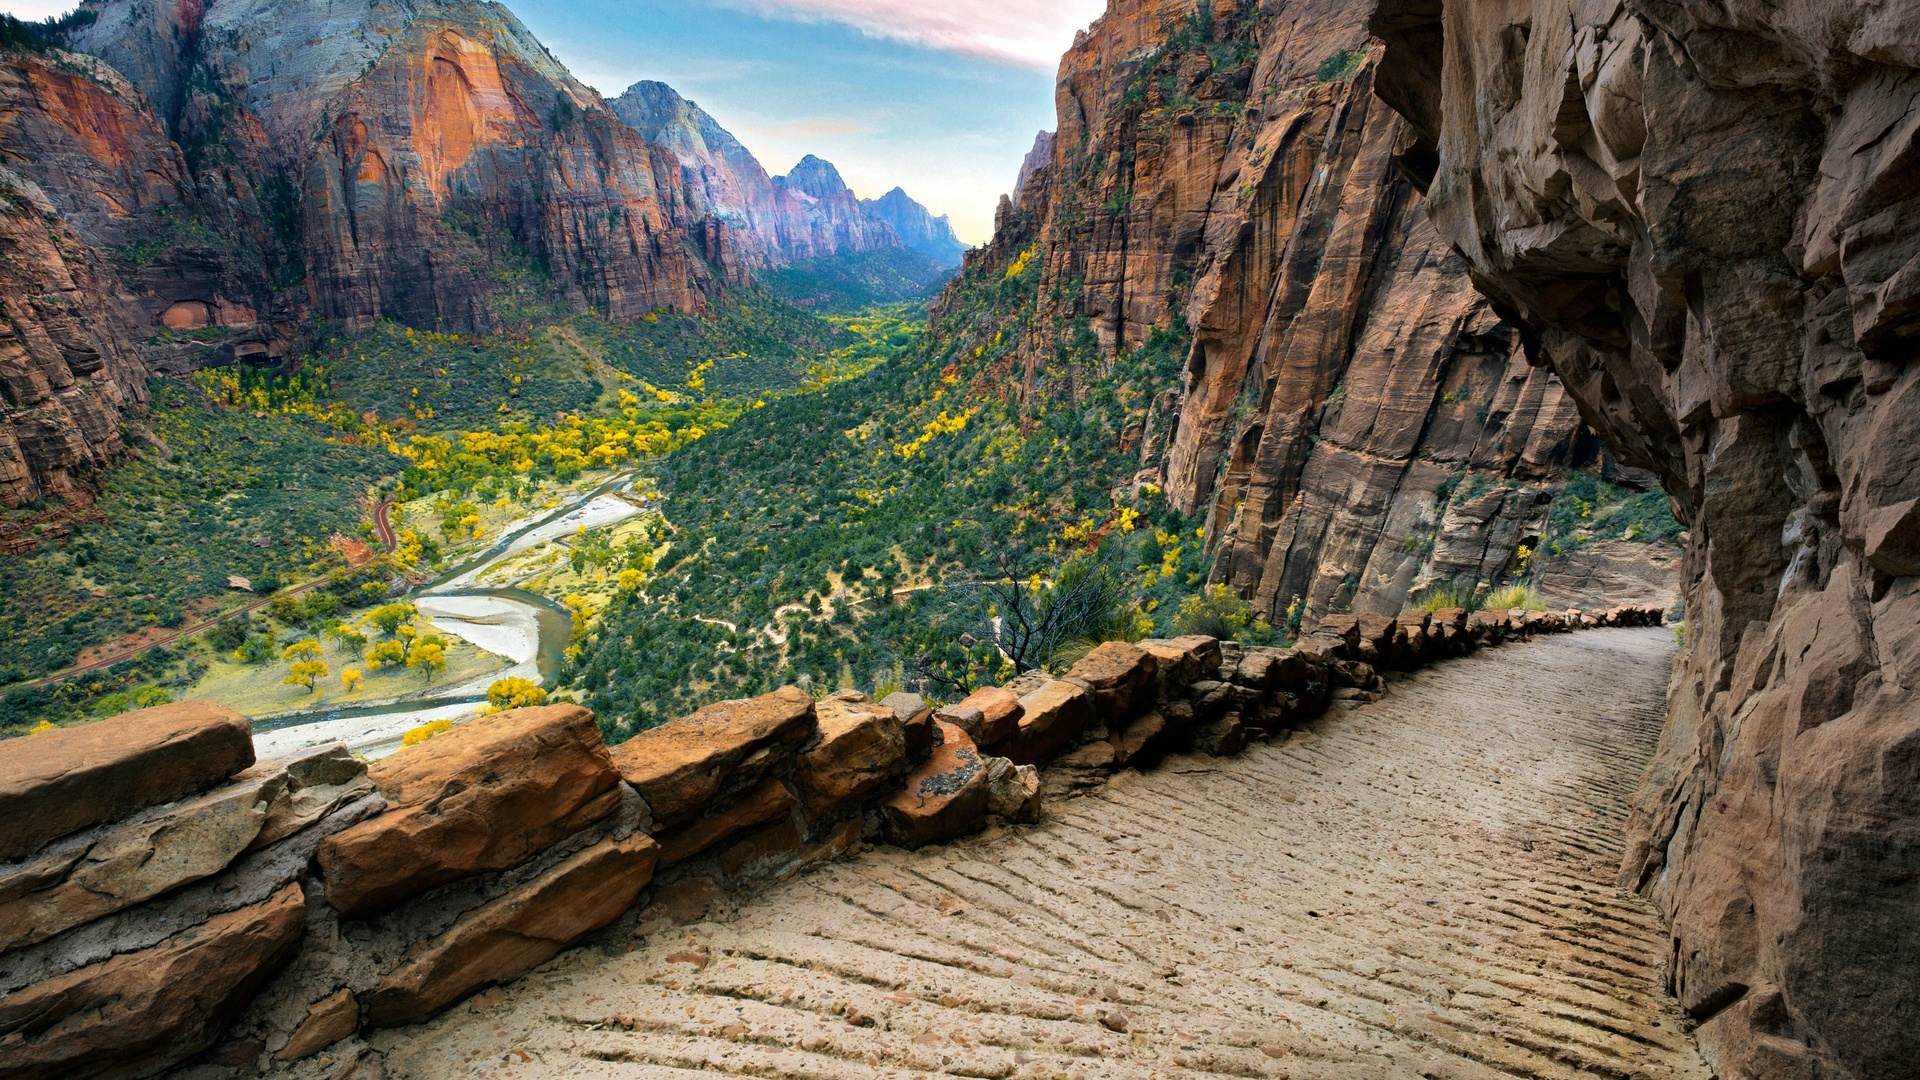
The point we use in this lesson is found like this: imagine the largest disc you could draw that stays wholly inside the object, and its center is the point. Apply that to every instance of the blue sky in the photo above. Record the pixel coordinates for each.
(941, 97)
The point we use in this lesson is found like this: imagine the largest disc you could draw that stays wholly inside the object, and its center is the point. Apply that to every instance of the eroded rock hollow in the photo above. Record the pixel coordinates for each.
(1704, 215)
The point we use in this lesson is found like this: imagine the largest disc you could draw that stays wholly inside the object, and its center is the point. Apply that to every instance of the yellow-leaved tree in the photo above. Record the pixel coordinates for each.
(514, 693)
(427, 659)
(306, 673)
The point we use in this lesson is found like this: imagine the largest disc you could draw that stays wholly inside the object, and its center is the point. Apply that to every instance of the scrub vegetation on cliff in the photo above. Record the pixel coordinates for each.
(840, 538)
(219, 492)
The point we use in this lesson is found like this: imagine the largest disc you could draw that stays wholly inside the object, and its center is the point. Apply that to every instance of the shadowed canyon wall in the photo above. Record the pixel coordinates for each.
(1705, 216)
(1355, 421)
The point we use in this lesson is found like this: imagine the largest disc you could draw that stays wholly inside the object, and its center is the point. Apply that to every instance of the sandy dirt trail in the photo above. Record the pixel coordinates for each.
(1416, 888)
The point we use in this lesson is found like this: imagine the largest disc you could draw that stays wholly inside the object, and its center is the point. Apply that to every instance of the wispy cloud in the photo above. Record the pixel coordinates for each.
(1028, 32)
(35, 10)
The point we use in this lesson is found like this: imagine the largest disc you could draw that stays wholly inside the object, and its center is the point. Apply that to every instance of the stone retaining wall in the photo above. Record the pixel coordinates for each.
(167, 904)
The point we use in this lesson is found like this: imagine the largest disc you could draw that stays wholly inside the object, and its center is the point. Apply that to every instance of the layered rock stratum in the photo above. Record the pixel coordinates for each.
(1703, 216)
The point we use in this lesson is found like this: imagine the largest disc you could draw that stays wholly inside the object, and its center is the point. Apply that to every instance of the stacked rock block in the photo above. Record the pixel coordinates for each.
(165, 901)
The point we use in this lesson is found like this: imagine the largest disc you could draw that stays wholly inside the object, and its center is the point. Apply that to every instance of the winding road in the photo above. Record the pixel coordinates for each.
(1420, 887)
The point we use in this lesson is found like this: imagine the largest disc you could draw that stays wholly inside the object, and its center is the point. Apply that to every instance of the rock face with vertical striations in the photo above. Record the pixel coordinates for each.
(68, 368)
(1706, 219)
(1354, 421)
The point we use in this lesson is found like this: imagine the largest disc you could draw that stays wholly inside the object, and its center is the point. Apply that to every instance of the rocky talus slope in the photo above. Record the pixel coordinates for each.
(166, 901)
(1704, 217)
(1233, 176)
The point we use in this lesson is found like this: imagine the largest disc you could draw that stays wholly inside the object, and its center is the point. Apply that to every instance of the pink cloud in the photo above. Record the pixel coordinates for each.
(1029, 32)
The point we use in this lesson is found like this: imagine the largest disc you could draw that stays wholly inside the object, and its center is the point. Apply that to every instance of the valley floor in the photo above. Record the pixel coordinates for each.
(1416, 888)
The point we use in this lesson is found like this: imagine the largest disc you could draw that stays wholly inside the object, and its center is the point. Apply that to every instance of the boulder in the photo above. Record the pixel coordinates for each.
(860, 748)
(1382, 632)
(681, 766)
(781, 848)
(1121, 676)
(329, 1020)
(133, 863)
(966, 718)
(1013, 791)
(1324, 648)
(1489, 627)
(510, 935)
(487, 795)
(1344, 627)
(1209, 699)
(1223, 736)
(318, 781)
(1000, 713)
(142, 1011)
(944, 798)
(905, 706)
(769, 800)
(1052, 716)
(1130, 741)
(61, 781)
(921, 734)
(1097, 756)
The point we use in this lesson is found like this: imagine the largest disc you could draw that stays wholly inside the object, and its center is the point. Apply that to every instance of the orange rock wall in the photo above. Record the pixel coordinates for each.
(1225, 171)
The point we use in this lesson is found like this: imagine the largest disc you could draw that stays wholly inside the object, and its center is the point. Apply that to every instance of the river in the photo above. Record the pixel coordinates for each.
(529, 630)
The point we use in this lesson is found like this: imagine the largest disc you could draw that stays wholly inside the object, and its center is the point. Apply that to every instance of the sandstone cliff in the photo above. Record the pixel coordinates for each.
(410, 156)
(69, 375)
(720, 176)
(1704, 217)
(1354, 420)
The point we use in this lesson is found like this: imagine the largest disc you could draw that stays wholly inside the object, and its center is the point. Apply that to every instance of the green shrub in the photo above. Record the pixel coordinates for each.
(1216, 611)
(1443, 595)
(1341, 65)
(1513, 597)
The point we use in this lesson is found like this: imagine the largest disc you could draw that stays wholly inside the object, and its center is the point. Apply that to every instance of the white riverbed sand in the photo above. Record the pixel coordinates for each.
(368, 736)
(594, 514)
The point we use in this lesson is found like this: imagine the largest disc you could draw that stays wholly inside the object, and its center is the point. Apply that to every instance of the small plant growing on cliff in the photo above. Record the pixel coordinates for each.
(1513, 597)
(1216, 611)
(1341, 65)
(1440, 597)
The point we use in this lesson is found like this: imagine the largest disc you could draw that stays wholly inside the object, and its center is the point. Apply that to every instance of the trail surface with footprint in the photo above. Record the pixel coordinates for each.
(1421, 887)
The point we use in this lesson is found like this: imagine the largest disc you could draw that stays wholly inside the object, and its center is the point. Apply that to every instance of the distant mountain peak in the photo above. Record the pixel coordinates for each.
(919, 230)
(816, 177)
